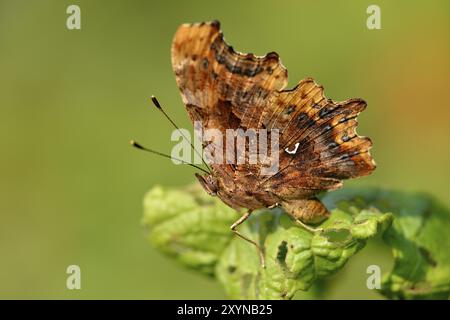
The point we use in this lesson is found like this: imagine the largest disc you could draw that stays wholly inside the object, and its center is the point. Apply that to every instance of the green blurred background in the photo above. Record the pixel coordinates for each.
(71, 187)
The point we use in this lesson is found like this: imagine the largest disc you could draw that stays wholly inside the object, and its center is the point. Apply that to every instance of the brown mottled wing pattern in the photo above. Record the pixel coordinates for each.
(318, 140)
(224, 89)
(211, 76)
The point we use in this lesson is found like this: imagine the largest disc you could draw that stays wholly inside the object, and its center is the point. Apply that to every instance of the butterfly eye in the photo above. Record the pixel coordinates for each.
(208, 183)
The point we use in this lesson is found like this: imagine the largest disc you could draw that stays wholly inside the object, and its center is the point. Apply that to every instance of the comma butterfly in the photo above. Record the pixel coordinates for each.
(319, 146)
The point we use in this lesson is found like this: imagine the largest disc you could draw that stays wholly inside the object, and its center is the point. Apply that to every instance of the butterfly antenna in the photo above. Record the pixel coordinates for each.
(158, 106)
(140, 147)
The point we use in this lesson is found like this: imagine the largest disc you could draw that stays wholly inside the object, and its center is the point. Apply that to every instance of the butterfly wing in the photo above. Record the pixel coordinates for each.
(219, 86)
(319, 145)
(225, 89)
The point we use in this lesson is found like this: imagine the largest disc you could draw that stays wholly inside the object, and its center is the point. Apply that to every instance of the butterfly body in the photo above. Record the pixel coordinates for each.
(317, 142)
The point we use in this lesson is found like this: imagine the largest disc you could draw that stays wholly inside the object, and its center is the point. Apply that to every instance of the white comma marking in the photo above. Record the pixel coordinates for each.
(293, 151)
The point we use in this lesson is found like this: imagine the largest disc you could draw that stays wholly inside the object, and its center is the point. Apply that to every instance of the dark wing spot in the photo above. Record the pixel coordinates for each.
(220, 59)
(205, 63)
(251, 72)
(215, 24)
(346, 119)
(236, 69)
(303, 120)
(290, 109)
(302, 116)
(272, 55)
(324, 111)
(332, 145)
(249, 56)
(230, 65)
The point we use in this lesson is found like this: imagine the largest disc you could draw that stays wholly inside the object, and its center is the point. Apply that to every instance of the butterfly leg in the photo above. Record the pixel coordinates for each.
(308, 228)
(309, 210)
(234, 229)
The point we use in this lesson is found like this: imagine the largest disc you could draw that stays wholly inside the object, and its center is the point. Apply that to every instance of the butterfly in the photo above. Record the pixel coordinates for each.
(318, 143)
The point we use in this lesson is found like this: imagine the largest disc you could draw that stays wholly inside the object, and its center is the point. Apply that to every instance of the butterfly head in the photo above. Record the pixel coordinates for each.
(209, 183)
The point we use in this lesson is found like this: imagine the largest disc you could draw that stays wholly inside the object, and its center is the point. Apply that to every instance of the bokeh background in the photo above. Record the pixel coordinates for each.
(71, 187)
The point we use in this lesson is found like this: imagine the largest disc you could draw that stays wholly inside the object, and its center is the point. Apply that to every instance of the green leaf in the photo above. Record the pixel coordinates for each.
(295, 257)
(421, 247)
(194, 228)
(189, 225)
(419, 240)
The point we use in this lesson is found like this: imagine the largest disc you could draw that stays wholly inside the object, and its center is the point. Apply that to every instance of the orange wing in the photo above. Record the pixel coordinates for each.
(319, 145)
(210, 75)
(224, 89)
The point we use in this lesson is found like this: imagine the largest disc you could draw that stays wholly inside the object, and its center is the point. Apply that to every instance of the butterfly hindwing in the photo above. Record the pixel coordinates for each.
(319, 145)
